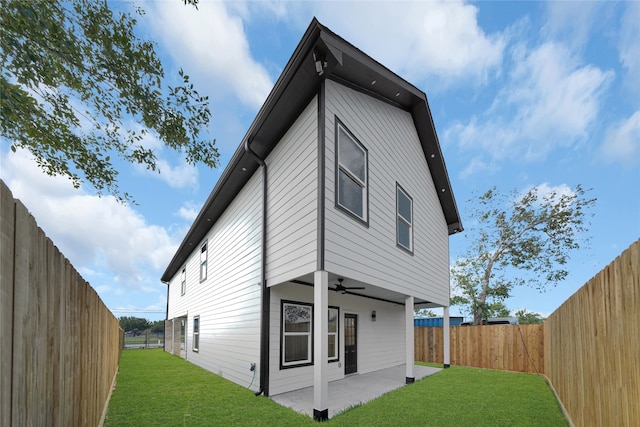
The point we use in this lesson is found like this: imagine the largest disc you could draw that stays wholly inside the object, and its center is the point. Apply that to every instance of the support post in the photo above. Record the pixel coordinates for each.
(176, 335)
(320, 345)
(445, 334)
(409, 339)
(168, 336)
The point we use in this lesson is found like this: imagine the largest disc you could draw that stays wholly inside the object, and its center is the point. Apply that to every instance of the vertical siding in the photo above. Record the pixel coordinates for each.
(292, 200)
(395, 155)
(380, 343)
(228, 301)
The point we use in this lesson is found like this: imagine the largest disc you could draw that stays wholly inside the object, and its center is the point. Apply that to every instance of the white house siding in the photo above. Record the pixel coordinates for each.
(228, 301)
(292, 200)
(395, 155)
(380, 343)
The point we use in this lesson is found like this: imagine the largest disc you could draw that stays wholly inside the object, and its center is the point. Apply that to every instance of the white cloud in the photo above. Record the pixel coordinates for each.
(555, 94)
(475, 166)
(629, 44)
(418, 39)
(571, 21)
(622, 141)
(188, 211)
(181, 176)
(212, 42)
(280, 9)
(545, 191)
(549, 101)
(548, 193)
(159, 305)
(93, 233)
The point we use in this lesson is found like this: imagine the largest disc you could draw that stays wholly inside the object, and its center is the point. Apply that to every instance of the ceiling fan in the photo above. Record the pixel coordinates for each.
(339, 287)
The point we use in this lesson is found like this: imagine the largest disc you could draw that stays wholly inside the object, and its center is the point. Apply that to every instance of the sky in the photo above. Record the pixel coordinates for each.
(522, 94)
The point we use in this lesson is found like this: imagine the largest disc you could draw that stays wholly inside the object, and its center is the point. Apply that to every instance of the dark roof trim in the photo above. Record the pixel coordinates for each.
(296, 86)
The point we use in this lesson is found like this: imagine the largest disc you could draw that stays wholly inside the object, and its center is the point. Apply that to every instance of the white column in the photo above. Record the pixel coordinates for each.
(409, 346)
(320, 344)
(445, 341)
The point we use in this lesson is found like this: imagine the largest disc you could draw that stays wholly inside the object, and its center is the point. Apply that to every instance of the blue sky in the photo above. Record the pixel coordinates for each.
(522, 94)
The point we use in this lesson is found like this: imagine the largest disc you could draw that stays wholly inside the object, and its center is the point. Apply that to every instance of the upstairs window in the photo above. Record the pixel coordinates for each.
(404, 220)
(183, 281)
(203, 262)
(296, 334)
(352, 174)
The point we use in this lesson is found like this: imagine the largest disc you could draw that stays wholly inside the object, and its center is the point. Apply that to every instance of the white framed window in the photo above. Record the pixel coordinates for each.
(203, 261)
(297, 332)
(334, 327)
(352, 193)
(183, 281)
(404, 219)
(196, 333)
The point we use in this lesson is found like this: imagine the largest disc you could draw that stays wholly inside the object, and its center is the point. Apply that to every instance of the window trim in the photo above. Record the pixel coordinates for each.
(399, 217)
(295, 364)
(337, 334)
(204, 248)
(365, 208)
(196, 335)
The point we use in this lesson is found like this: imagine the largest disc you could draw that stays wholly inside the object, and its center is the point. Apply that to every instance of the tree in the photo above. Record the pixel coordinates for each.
(424, 312)
(529, 235)
(158, 326)
(78, 87)
(131, 323)
(529, 318)
(497, 309)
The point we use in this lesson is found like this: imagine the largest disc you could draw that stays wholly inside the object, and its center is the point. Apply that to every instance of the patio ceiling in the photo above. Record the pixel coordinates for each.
(370, 291)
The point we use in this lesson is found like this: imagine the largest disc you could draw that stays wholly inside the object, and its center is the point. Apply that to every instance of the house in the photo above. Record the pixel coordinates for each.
(329, 225)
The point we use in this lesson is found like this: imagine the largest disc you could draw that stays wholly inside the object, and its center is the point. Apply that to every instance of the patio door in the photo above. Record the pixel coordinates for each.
(350, 343)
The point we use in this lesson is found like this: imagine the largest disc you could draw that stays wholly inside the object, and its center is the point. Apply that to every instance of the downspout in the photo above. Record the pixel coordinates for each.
(166, 318)
(166, 313)
(266, 292)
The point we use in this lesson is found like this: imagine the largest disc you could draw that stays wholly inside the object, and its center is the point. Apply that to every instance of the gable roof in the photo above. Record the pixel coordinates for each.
(296, 86)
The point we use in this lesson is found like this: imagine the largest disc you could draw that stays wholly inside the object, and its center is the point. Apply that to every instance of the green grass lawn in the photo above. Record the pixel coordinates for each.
(155, 388)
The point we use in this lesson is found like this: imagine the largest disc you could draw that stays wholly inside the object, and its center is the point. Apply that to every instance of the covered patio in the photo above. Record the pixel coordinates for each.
(391, 315)
(352, 390)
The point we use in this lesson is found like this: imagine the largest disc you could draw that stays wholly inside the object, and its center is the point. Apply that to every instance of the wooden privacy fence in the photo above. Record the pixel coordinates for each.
(517, 348)
(592, 346)
(589, 348)
(60, 343)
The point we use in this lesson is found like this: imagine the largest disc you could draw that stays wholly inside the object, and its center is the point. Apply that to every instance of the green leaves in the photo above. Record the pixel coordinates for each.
(75, 76)
(521, 238)
(529, 318)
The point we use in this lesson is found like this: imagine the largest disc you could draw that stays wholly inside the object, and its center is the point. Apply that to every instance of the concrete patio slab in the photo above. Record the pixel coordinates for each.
(352, 390)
